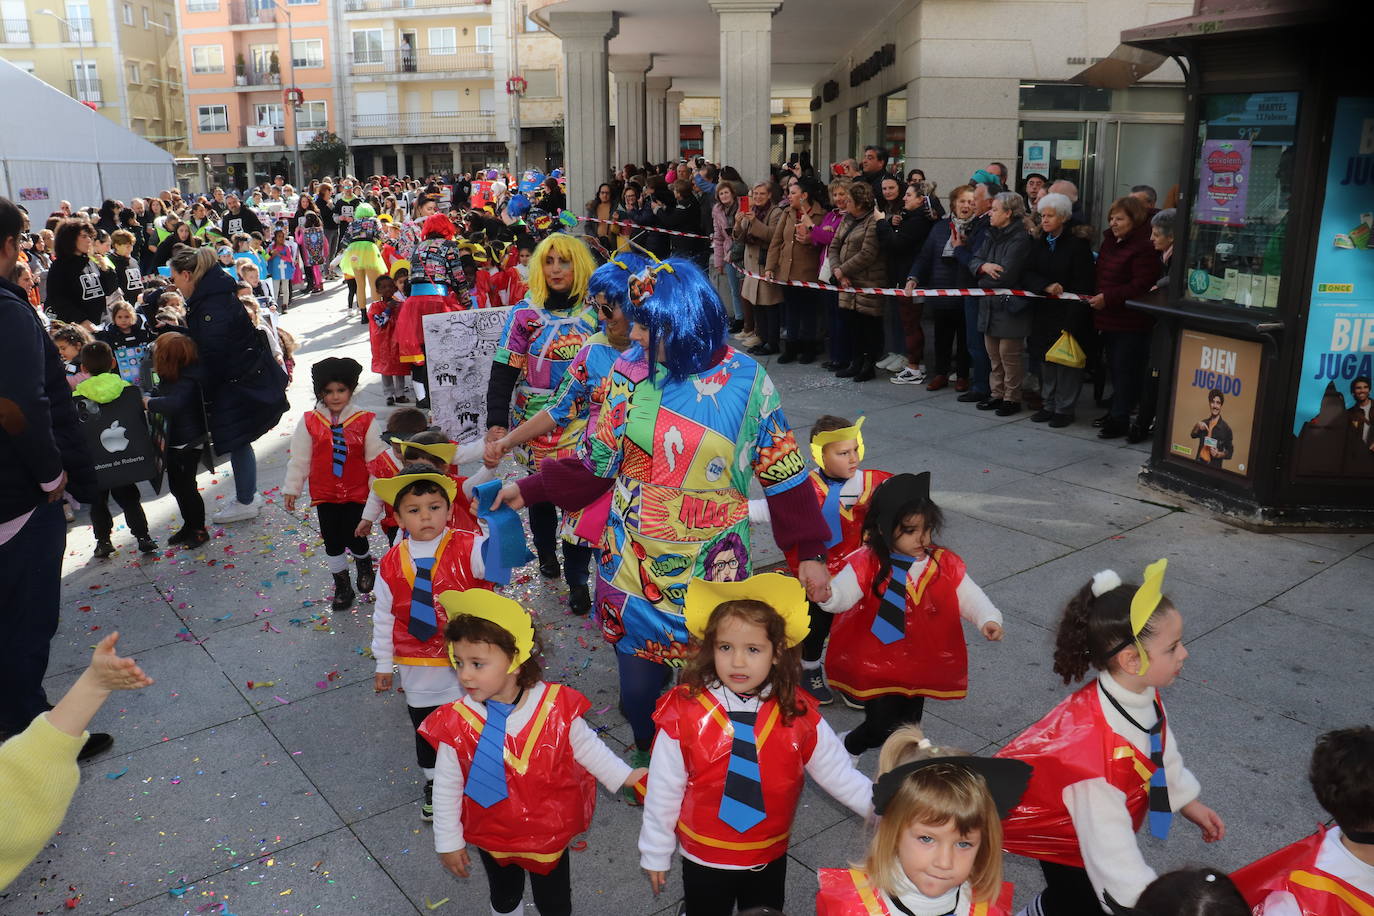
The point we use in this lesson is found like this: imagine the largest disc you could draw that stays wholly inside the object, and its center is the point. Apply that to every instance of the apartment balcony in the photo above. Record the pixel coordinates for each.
(386, 6)
(80, 31)
(87, 90)
(467, 125)
(15, 32)
(253, 12)
(263, 136)
(421, 60)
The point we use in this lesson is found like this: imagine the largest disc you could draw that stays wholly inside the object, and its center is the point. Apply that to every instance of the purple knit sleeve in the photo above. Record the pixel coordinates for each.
(565, 482)
(797, 521)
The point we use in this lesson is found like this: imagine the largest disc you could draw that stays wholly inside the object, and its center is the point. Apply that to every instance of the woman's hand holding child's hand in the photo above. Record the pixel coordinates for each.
(992, 631)
(1208, 821)
(456, 862)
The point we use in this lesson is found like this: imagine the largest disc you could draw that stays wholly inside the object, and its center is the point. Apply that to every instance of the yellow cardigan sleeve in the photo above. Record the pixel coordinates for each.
(38, 777)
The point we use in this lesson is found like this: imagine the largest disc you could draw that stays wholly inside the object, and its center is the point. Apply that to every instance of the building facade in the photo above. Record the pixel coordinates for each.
(120, 57)
(242, 57)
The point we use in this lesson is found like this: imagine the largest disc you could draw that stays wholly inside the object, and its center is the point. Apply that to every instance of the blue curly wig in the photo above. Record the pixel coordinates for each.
(612, 278)
(684, 316)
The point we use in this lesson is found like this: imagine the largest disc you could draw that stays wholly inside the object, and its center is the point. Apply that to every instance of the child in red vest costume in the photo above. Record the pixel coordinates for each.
(433, 449)
(517, 764)
(736, 739)
(407, 623)
(1105, 755)
(330, 450)
(938, 844)
(1331, 872)
(843, 492)
(900, 637)
(381, 332)
(402, 423)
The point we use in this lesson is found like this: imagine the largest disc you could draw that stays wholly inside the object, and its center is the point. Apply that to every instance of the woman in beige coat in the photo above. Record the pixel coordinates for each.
(857, 262)
(755, 229)
(792, 255)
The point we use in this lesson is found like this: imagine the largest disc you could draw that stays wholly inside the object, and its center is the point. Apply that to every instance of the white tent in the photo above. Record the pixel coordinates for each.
(65, 151)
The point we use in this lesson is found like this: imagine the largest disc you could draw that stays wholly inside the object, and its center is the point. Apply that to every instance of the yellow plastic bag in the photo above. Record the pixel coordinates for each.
(1067, 352)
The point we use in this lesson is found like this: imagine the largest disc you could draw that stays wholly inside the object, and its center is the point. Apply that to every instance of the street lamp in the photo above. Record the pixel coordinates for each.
(293, 92)
(80, 49)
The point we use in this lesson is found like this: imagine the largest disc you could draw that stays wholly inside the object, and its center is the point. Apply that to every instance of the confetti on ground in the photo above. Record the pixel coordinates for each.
(253, 685)
(117, 775)
(436, 904)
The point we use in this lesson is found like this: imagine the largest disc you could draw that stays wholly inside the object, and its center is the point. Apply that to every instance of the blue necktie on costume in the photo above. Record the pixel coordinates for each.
(889, 624)
(486, 782)
(423, 623)
(741, 805)
(1161, 814)
(336, 432)
(830, 509)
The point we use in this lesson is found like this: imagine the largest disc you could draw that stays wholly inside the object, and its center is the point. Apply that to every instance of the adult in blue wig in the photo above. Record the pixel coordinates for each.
(577, 403)
(676, 441)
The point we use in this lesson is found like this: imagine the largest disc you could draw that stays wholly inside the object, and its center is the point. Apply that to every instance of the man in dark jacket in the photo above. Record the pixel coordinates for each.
(963, 253)
(240, 218)
(41, 456)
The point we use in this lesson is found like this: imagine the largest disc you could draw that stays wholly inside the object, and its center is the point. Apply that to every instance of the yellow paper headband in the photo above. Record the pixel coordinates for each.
(444, 451)
(387, 488)
(498, 609)
(782, 593)
(1145, 603)
(821, 440)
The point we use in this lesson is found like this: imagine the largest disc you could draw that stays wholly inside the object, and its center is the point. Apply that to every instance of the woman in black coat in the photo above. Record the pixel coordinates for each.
(901, 235)
(937, 268)
(1060, 262)
(76, 294)
(245, 388)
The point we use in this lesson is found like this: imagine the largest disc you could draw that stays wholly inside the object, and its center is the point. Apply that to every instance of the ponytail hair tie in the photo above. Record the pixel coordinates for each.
(924, 744)
(1105, 581)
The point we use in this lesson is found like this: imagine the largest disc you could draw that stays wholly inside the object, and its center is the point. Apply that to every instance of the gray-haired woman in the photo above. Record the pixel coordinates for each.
(1005, 321)
(1061, 261)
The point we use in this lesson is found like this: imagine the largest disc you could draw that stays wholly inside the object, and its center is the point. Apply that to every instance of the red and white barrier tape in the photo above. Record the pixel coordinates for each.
(864, 290)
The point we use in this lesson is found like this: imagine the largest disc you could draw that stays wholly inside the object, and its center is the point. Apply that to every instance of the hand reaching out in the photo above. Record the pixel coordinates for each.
(458, 862)
(1208, 821)
(112, 672)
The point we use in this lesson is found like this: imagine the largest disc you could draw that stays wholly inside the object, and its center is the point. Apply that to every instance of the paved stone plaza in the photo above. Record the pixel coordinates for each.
(303, 796)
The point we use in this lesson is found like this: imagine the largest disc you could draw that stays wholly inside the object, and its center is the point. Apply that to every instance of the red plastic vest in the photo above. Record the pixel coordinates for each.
(410, 323)
(551, 796)
(848, 892)
(451, 571)
(931, 661)
(851, 520)
(701, 727)
(1293, 869)
(352, 486)
(381, 468)
(1071, 744)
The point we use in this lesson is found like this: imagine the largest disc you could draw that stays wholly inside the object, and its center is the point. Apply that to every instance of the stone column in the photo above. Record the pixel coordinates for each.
(746, 63)
(400, 149)
(655, 115)
(456, 150)
(586, 101)
(376, 163)
(788, 129)
(672, 119)
(629, 70)
(250, 171)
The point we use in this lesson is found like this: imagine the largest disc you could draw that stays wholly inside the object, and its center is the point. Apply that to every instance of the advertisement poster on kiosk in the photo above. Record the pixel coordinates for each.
(1214, 401)
(1333, 418)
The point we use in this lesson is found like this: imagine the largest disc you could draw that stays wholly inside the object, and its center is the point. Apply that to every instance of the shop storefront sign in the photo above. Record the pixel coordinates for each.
(1035, 157)
(1332, 419)
(1214, 400)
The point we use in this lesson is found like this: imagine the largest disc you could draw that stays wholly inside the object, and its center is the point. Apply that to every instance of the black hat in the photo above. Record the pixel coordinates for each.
(895, 494)
(335, 369)
(1006, 778)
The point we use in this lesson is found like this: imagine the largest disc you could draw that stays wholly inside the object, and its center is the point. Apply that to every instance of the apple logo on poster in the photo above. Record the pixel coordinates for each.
(114, 438)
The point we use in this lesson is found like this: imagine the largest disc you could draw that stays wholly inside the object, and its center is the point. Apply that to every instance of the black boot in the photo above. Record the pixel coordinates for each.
(579, 600)
(850, 370)
(867, 372)
(343, 592)
(808, 349)
(548, 566)
(789, 352)
(367, 576)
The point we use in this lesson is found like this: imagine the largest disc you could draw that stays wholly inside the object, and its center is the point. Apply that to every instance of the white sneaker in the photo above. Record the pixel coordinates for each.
(751, 340)
(894, 362)
(235, 511)
(908, 376)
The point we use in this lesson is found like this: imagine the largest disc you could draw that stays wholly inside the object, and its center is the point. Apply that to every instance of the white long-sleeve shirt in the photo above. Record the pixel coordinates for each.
(425, 685)
(1098, 809)
(588, 750)
(1333, 858)
(298, 467)
(375, 508)
(974, 604)
(829, 765)
(849, 494)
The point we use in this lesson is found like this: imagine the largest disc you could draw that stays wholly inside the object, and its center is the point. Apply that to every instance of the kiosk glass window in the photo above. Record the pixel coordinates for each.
(1241, 185)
